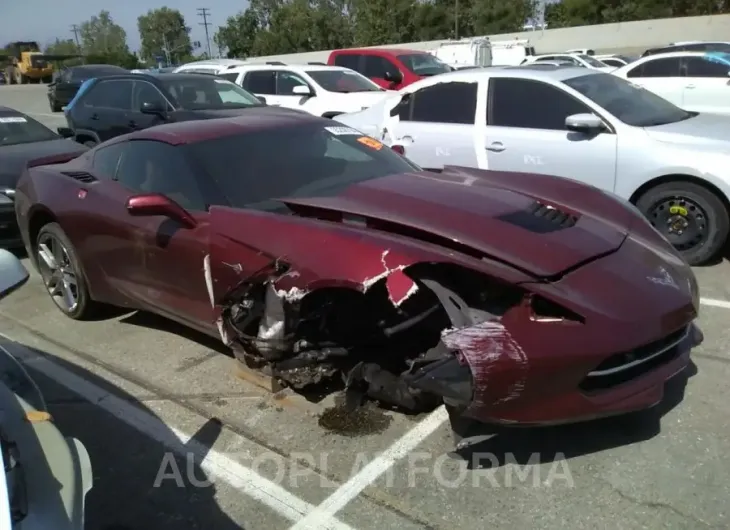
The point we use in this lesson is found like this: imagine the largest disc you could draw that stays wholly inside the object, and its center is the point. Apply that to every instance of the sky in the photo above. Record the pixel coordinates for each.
(44, 20)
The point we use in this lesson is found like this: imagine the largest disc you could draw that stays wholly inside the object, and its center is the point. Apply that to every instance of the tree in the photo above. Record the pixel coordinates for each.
(492, 17)
(238, 34)
(62, 47)
(100, 35)
(163, 33)
(378, 22)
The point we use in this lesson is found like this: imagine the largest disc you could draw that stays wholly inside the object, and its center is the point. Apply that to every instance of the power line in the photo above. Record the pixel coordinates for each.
(75, 30)
(205, 13)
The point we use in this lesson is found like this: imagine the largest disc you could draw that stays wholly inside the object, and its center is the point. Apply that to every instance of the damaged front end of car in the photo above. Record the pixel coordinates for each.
(405, 339)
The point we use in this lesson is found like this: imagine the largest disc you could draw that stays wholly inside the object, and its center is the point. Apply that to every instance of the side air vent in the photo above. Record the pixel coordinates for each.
(558, 217)
(81, 176)
(540, 218)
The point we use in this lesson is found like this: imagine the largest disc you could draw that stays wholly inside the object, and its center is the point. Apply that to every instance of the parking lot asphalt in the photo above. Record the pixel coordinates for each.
(177, 441)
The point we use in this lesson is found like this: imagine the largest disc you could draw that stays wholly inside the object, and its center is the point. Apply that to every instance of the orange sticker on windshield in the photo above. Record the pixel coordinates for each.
(370, 142)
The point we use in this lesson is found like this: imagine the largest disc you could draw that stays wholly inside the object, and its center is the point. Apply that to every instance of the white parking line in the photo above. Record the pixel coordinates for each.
(715, 303)
(46, 115)
(215, 464)
(371, 472)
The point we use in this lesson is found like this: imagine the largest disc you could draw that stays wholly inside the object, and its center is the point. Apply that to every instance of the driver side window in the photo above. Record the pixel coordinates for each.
(286, 81)
(527, 104)
(145, 92)
(156, 167)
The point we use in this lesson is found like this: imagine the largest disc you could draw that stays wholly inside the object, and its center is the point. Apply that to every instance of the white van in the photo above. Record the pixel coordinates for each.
(474, 52)
(210, 66)
(511, 52)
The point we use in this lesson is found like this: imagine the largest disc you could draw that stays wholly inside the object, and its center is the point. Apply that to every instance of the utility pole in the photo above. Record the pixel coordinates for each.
(75, 30)
(205, 13)
(456, 20)
(166, 50)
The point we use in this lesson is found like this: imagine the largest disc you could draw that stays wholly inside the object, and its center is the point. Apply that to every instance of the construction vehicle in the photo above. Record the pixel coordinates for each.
(26, 63)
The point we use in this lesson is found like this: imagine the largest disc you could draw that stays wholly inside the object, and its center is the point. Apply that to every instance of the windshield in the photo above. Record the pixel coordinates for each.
(198, 93)
(629, 103)
(343, 81)
(319, 160)
(424, 64)
(18, 129)
(595, 63)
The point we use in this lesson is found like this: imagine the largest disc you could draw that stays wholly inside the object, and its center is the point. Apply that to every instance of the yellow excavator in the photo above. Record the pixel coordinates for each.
(27, 64)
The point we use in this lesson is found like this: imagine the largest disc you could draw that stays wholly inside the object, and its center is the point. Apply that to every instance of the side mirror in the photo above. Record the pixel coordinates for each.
(150, 107)
(65, 132)
(152, 204)
(301, 90)
(12, 273)
(262, 99)
(393, 77)
(585, 123)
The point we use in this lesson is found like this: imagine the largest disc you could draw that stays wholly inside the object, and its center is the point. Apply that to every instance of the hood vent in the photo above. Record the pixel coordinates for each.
(81, 176)
(541, 218)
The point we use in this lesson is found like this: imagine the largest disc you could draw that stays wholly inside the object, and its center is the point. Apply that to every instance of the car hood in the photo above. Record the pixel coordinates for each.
(359, 100)
(703, 130)
(541, 232)
(14, 158)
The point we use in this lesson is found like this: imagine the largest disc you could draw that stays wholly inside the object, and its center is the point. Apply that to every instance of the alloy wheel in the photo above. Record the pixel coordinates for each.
(59, 275)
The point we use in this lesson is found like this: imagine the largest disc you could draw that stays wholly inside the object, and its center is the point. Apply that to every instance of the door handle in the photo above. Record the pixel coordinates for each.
(689, 86)
(497, 147)
(94, 116)
(133, 124)
(407, 138)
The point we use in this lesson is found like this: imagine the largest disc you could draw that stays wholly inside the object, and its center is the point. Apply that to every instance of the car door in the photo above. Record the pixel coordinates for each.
(146, 92)
(261, 83)
(661, 75)
(105, 108)
(707, 84)
(525, 132)
(436, 125)
(164, 267)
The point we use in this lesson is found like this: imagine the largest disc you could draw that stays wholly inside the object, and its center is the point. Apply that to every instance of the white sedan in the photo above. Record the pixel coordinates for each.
(694, 81)
(577, 59)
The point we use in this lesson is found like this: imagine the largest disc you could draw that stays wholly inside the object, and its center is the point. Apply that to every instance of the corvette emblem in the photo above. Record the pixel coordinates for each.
(664, 278)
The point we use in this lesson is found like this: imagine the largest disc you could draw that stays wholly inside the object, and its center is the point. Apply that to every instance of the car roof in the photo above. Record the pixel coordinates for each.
(292, 66)
(253, 119)
(95, 66)
(163, 76)
(669, 55)
(549, 72)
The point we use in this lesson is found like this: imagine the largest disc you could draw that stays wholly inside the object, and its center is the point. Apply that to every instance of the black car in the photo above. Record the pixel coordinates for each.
(723, 47)
(22, 139)
(110, 106)
(67, 81)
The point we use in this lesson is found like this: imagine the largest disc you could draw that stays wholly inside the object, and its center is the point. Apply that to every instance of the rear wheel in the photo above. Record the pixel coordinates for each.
(690, 216)
(55, 105)
(62, 274)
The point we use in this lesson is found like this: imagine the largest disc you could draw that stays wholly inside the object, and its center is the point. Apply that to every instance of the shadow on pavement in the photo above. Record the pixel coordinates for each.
(126, 463)
(523, 445)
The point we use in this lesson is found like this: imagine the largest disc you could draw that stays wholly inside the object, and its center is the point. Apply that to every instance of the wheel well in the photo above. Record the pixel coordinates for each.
(81, 138)
(679, 178)
(38, 220)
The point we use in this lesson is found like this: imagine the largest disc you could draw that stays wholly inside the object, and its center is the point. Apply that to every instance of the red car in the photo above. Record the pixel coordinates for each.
(391, 68)
(326, 258)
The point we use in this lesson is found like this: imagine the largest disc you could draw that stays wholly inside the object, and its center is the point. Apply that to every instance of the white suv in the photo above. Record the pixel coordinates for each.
(314, 87)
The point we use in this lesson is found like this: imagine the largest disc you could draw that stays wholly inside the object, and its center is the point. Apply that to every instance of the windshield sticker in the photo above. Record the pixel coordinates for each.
(13, 119)
(342, 131)
(372, 143)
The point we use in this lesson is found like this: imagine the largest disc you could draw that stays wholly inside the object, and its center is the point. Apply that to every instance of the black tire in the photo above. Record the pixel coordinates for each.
(55, 106)
(85, 308)
(716, 216)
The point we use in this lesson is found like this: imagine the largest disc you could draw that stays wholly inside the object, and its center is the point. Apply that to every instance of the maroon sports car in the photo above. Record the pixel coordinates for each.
(323, 257)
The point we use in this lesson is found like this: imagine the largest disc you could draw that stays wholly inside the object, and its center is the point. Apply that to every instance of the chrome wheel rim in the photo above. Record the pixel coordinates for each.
(58, 273)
